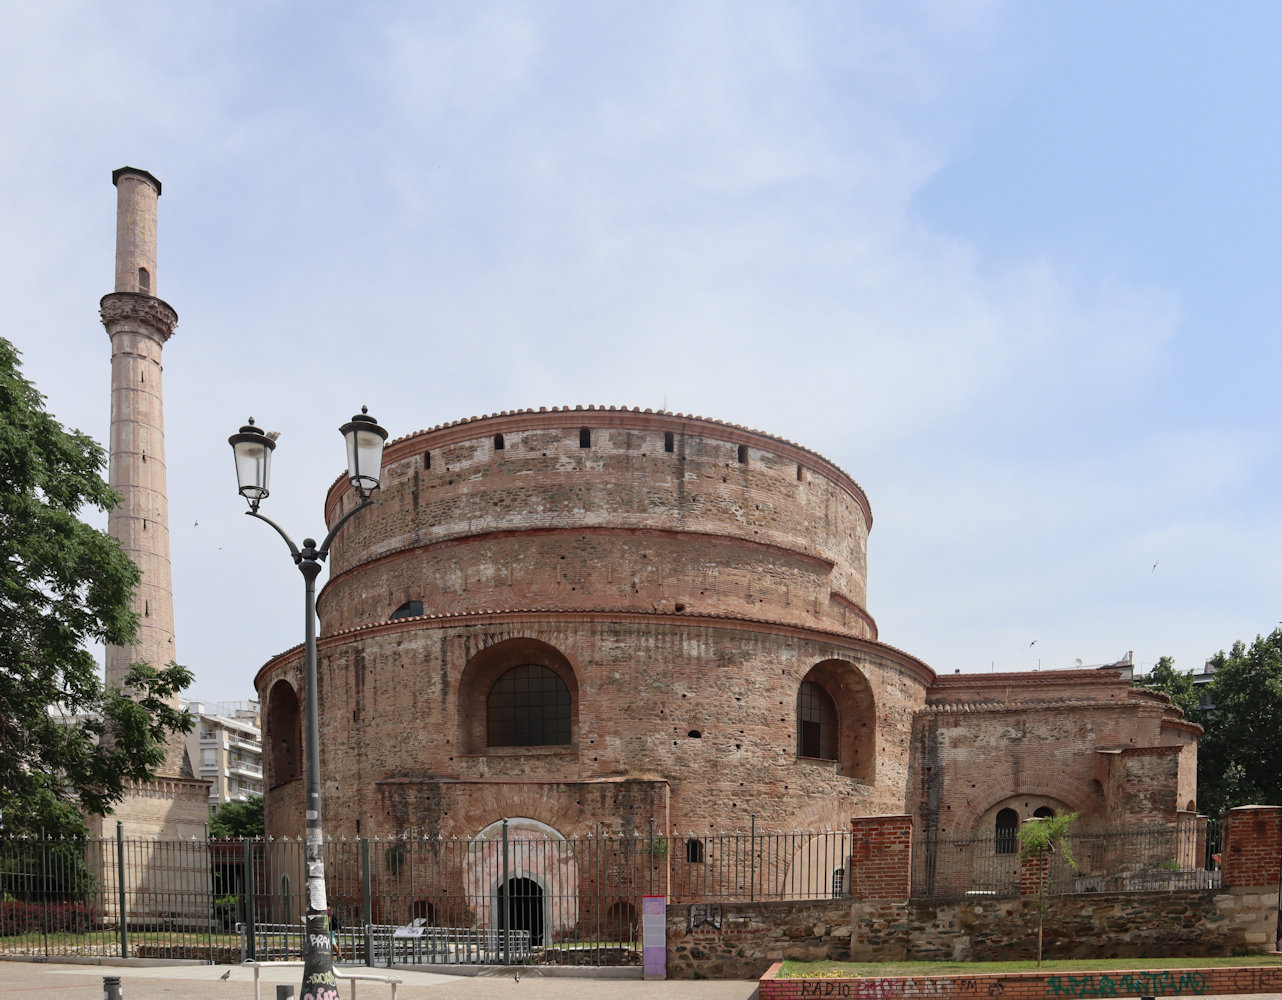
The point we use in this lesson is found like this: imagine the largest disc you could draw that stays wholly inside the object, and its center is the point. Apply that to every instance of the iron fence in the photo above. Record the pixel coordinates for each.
(517, 892)
(1180, 856)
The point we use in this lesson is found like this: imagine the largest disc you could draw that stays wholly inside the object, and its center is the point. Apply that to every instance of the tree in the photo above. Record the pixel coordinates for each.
(1177, 685)
(1038, 840)
(1237, 756)
(64, 736)
(238, 819)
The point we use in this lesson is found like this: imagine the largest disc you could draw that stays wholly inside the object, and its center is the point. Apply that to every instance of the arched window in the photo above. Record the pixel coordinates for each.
(1004, 828)
(694, 851)
(528, 706)
(144, 281)
(284, 734)
(410, 609)
(816, 722)
(1043, 812)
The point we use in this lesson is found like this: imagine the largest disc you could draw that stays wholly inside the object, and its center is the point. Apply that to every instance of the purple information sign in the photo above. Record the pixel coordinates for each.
(654, 937)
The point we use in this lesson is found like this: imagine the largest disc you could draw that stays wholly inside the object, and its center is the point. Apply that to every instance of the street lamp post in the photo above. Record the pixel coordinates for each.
(253, 450)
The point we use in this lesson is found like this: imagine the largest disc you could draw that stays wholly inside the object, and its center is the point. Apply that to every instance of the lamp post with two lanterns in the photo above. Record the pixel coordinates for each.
(253, 449)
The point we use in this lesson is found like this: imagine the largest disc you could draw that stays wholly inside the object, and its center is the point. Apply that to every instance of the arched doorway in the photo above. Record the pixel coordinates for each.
(522, 900)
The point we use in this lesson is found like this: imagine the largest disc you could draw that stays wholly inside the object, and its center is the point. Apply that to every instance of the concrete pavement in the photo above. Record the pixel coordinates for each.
(41, 981)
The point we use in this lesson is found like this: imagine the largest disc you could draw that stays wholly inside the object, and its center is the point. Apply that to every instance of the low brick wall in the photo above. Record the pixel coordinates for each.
(1033, 985)
(743, 939)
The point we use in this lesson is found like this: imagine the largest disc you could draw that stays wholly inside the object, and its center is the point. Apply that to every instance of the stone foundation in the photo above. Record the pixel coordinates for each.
(743, 939)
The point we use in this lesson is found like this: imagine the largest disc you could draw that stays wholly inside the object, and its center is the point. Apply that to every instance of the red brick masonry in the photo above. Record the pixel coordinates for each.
(1033, 985)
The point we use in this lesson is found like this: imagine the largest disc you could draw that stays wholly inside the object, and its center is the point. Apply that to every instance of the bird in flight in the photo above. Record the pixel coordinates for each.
(1032, 644)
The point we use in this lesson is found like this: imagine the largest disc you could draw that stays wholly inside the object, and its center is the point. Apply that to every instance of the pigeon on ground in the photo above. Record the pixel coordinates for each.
(224, 976)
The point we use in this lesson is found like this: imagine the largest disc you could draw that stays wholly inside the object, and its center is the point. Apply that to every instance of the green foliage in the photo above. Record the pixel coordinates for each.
(1041, 837)
(1237, 756)
(1177, 685)
(63, 586)
(226, 909)
(238, 819)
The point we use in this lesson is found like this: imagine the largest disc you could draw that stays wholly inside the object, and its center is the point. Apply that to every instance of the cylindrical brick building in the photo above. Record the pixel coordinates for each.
(598, 616)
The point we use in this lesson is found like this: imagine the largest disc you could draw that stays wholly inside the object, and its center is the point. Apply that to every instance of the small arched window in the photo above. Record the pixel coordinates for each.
(816, 722)
(694, 851)
(528, 706)
(144, 281)
(1004, 828)
(1043, 812)
(410, 609)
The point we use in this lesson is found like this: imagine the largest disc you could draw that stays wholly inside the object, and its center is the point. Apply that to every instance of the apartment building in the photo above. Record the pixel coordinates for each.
(226, 748)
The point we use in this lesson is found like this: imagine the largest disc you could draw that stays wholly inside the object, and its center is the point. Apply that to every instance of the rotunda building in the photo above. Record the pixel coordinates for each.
(598, 618)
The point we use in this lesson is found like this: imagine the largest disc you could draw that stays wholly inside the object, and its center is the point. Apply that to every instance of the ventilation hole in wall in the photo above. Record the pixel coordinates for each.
(142, 376)
(144, 458)
(800, 476)
(679, 608)
(146, 609)
(694, 734)
(738, 746)
(585, 437)
(687, 696)
(669, 441)
(674, 742)
(743, 454)
(498, 442)
(358, 826)
(427, 459)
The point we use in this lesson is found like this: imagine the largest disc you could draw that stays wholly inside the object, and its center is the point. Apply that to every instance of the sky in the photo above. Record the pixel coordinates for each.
(1014, 267)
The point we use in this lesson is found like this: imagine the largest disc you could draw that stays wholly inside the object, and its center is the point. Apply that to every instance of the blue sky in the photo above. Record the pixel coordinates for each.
(1012, 266)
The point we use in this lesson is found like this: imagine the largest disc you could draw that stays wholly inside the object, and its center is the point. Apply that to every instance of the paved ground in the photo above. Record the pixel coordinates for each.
(43, 981)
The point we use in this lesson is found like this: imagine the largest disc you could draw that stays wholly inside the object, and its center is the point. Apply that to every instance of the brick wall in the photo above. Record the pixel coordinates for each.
(709, 708)
(544, 522)
(880, 857)
(1251, 852)
(1033, 985)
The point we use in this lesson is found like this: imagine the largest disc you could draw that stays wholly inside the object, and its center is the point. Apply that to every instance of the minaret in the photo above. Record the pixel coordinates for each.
(139, 324)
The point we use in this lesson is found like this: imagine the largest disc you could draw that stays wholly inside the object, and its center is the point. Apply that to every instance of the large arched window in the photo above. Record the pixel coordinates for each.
(816, 722)
(1004, 828)
(284, 734)
(528, 706)
(518, 694)
(837, 718)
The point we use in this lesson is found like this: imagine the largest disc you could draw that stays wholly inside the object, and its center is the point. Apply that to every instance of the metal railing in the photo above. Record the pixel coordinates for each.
(1146, 859)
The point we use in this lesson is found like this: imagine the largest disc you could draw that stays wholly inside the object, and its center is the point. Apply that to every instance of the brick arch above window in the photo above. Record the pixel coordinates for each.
(508, 679)
(837, 690)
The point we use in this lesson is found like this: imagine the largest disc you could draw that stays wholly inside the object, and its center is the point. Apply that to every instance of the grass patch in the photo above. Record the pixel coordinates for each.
(852, 970)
